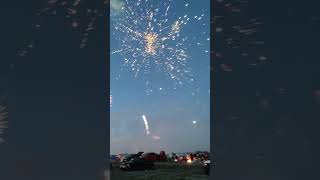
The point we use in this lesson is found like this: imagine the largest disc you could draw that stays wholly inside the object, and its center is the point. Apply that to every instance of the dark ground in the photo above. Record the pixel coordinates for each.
(163, 171)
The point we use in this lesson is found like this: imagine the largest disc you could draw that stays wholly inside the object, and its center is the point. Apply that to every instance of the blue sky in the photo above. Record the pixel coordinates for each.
(178, 115)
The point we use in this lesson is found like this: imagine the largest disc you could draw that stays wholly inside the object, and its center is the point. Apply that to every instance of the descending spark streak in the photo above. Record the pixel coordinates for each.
(110, 99)
(146, 124)
(3, 122)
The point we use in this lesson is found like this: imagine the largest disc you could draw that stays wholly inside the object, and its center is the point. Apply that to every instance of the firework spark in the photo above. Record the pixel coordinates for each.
(146, 124)
(151, 37)
(110, 99)
(238, 36)
(78, 15)
(3, 122)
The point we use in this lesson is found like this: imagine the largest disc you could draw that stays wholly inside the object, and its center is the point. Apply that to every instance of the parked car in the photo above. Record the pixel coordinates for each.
(202, 155)
(181, 157)
(121, 157)
(131, 156)
(206, 167)
(162, 156)
(173, 157)
(150, 156)
(137, 163)
(114, 158)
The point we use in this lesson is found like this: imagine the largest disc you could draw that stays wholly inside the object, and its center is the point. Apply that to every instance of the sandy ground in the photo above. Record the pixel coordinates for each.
(162, 171)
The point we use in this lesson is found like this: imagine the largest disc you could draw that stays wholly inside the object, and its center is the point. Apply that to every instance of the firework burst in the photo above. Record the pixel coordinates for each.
(236, 32)
(3, 121)
(81, 15)
(152, 37)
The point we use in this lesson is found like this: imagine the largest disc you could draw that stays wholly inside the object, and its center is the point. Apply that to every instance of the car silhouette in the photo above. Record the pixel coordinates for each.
(136, 162)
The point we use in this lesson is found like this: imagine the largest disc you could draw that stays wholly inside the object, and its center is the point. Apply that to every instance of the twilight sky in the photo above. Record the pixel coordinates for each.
(178, 115)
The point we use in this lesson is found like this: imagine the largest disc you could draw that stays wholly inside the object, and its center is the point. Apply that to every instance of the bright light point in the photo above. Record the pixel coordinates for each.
(194, 122)
(151, 39)
(176, 27)
(160, 89)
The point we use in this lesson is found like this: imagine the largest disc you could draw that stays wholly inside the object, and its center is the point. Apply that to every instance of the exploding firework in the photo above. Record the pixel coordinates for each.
(152, 37)
(3, 121)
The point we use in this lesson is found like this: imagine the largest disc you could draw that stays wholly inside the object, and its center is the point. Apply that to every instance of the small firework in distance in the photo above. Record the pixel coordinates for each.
(3, 121)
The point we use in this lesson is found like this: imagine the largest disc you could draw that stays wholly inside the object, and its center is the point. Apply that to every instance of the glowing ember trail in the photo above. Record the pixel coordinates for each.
(146, 124)
(110, 99)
